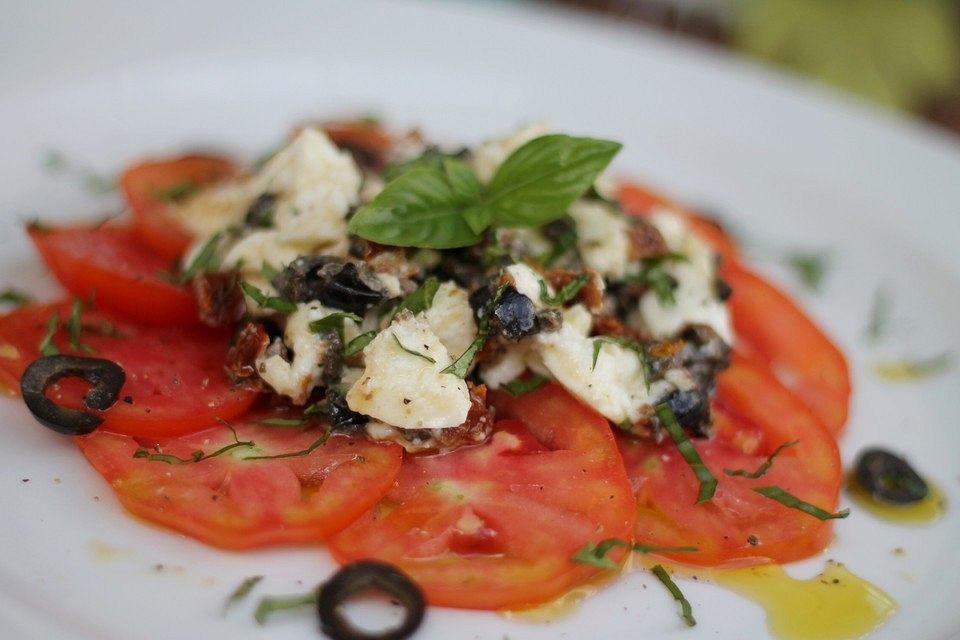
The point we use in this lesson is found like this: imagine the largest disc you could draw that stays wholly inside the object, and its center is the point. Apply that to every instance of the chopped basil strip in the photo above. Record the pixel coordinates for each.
(432, 158)
(789, 500)
(283, 422)
(15, 297)
(421, 299)
(627, 343)
(521, 386)
(269, 271)
(92, 182)
(809, 267)
(241, 592)
(295, 454)
(906, 370)
(269, 302)
(75, 326)
(685, 608)
(358, 344)
(596, 554)
(561, 246)
(567, 293)
(708, 483)
(46, 346)
(411, 351)
(461, 366)
(763, 468)
(333, 323)
(879, 315)
(271, 604)
(196, 456)
(178, 191)
(653, 274)
(205, 260)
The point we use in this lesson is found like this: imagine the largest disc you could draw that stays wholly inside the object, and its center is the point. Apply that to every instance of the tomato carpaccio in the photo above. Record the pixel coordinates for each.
(279, 485)
(494, 526)
(176, 382)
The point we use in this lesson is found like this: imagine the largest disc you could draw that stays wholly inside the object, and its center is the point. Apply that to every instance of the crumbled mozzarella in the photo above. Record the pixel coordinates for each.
(488, 156)
(615, 386)
(450, 317)
(373, 184)
(215, 208)
(527, 281)
(406, 390)
(602, 237)
(696, 297)
(507, 367)
(297, 378)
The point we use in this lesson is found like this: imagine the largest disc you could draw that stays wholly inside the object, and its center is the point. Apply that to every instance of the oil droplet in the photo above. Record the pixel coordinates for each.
(566, 603)
(835, 605)
(923, 512)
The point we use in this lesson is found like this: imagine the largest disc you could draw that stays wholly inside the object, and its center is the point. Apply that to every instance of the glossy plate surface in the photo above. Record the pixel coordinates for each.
(788, 165)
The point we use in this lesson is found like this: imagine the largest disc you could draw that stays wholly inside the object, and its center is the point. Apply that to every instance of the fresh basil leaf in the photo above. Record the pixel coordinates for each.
(708, 483)
(521, 386)
(421, 299)
(685, 608)
(763, 468)
(423, 208)
(790, 500)
(432, 158)
(357, 345)
(411, 351)
(539, 181)
(567, 293)
(15, 297)
(268, 302)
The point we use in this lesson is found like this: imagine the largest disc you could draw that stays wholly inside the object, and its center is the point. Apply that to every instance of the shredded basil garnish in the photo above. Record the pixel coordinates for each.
(295, 454)
(15, 297)
(685, 608)
(521, 386)
(809, 267)
(268, 302)
(358, 344)
(906, 369)
(411, 351)
(271, 604)
(879, 315)
(333, 323)
(46, 346)
(461, 365)
(75, 327)
(283, 422)
(205, 260)
(627, 343)
(178, 191)
(596, 554)
(790, 500)
(196, 456)
(241, 592)
(653, 274)
(708, 483)
(763, 468)
(567, 293)
(421, 299)
(92, 182)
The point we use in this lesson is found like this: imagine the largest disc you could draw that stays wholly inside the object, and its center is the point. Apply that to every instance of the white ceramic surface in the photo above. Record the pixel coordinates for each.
(107, 82)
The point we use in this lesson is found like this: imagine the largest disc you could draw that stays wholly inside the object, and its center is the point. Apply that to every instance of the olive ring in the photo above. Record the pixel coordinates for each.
(107, 378)
(367, 576)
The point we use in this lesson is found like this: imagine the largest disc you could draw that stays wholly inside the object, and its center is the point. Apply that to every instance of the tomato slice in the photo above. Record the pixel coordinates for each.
(494, 526)
(641, 200)
(360, 134)
(124, 274)
(754, 414)
(783, 336)
(235, 503)
(146, 187)
(175, 384)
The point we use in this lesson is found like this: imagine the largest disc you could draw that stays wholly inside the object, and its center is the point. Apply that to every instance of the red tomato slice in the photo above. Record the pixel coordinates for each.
(126, 275)
(782, 335)
(494, 526)
(230, 502)
(145, 186)
(640, 200)
(175, 375)
(358, 133)
(754, 414)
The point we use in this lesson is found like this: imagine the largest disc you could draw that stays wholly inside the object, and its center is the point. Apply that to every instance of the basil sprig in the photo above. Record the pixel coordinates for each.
(443, 205)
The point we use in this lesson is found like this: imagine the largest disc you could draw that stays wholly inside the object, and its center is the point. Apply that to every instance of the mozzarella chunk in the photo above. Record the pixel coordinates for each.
(488, 156)
(695, 295)
(297, 378)
(615, 386)
(406, 390)
(507, 367)
(451, 318)
(527, 281)
(215, 208)
(602, 237)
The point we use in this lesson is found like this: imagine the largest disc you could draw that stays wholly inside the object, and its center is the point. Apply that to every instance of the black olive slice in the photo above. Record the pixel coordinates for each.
(107, 378)
(889, 477)
(515, 315)
(368, 576)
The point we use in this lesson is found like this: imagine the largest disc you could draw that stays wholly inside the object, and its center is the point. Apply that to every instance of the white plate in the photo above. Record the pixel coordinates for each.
(107, 82)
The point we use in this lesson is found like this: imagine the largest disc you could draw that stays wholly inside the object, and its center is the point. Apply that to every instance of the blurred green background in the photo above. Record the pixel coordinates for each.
(901, 54)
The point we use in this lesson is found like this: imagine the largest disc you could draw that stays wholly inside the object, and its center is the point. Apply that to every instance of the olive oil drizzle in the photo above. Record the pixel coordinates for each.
(926, 511)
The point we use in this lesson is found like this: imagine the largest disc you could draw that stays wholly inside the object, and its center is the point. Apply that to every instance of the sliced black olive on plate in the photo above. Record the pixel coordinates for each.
(107, 378)
(369, 576)
(889, 478)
